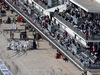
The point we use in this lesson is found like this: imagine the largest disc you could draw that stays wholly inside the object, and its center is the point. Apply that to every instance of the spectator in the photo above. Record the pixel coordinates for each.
(86, 35)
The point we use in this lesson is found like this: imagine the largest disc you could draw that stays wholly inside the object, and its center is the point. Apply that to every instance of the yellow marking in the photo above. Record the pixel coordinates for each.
(38, 54)
(64, 67)
(57, 60)
(50, 53)
(61, 64)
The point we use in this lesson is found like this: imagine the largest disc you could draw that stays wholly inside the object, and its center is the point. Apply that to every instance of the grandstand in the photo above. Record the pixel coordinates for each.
(74, 29)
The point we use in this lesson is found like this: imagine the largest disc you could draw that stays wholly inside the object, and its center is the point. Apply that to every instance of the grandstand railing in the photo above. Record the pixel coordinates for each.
(96, 37)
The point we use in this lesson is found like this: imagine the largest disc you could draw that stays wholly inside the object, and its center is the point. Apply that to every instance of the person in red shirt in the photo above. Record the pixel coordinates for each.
(66, 33)
(19, 19)
(41, 0)
(87, 52)
(86, 35)
(5, 6)
(95, 48)
(0, 1)
(45, 22)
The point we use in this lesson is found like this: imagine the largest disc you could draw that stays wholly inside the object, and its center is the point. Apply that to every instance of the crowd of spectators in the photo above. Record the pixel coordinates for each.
(89, 25)
(44, 22)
